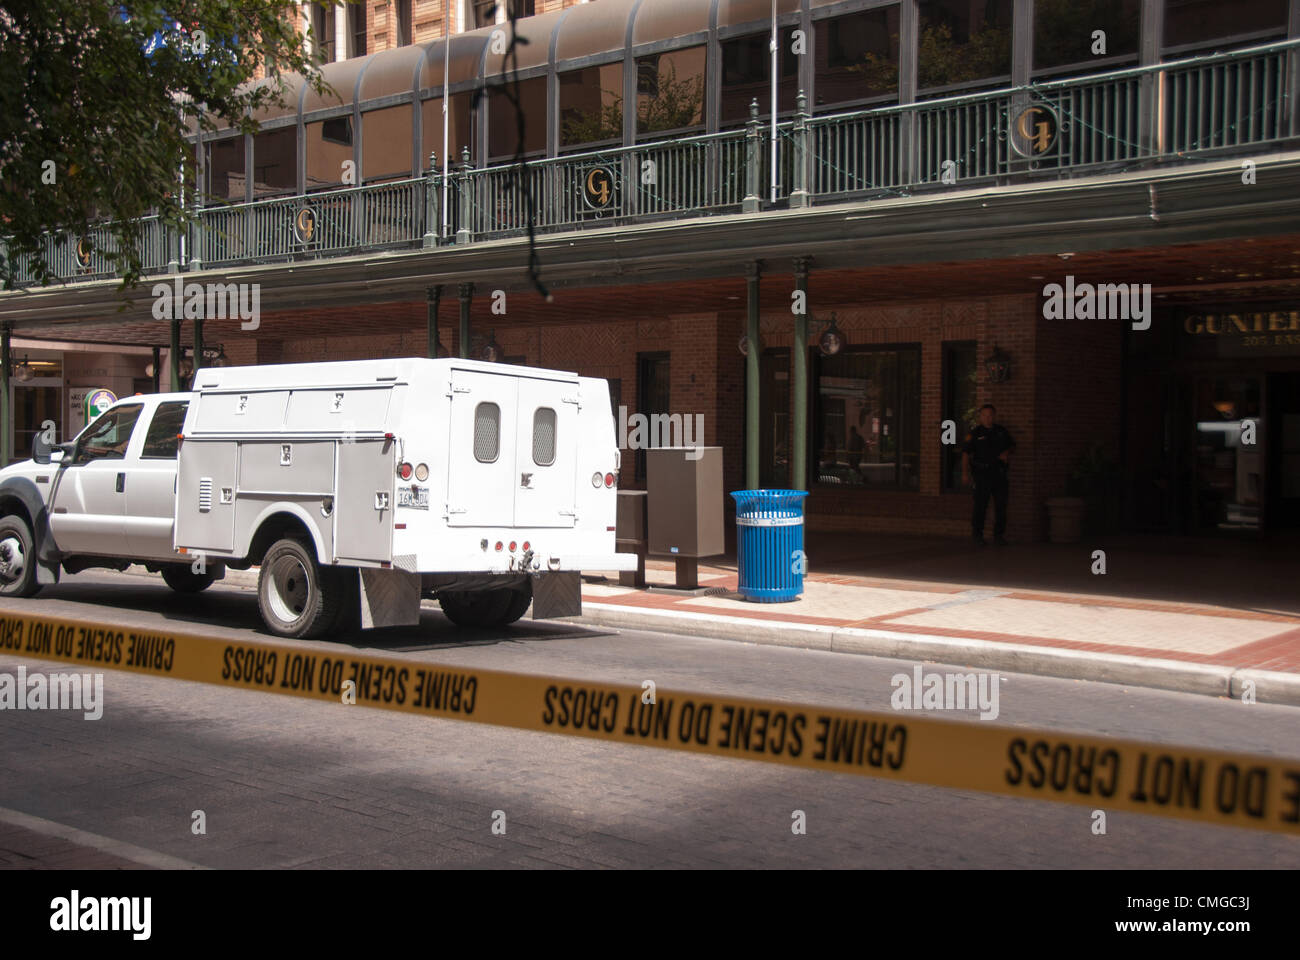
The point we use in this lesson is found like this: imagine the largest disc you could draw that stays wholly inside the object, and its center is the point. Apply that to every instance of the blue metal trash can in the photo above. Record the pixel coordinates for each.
(769, 544)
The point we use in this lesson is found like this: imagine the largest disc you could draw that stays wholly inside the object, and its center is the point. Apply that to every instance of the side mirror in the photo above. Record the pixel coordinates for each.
(41, 449)
(62, 453)
(54, 456)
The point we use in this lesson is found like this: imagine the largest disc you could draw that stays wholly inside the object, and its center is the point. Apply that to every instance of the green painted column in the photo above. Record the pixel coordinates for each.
(799, 383)
(6, 421)
(198, 344)
(174, 355)
(751, 380)
(466, 296)
(434, 299)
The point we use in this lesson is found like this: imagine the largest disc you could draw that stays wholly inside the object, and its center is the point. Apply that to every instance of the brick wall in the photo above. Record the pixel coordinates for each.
(1064, 390)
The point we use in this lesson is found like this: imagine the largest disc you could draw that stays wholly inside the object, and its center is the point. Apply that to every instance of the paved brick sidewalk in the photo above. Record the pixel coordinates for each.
(1202, 633)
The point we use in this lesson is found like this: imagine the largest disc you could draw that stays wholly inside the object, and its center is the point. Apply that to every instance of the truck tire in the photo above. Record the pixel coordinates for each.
(17, 559)
(182, 579)
(295, 595)
(477, 608)
(520, 601)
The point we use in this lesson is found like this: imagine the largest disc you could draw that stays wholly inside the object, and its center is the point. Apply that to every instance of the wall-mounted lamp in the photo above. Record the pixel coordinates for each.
(832, 340)
(491, 351)
(998, 366)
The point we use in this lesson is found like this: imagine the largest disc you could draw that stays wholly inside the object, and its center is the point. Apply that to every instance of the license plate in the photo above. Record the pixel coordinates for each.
(420, 501)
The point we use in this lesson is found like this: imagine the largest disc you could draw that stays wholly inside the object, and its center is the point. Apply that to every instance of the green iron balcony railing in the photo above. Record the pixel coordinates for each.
(1174, 112)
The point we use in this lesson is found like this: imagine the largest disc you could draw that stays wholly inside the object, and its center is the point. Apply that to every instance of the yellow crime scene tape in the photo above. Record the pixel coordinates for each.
(1209, 786)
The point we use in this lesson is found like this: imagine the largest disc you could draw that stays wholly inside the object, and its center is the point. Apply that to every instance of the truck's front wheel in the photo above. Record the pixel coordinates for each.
(17, 559)
(295, 595)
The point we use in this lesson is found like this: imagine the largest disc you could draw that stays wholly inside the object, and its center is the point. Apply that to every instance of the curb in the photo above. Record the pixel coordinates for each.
(1207, 679)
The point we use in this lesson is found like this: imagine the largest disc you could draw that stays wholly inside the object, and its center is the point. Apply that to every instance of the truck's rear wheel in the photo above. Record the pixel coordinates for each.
(17, 559)
(295, 595)
(484, 608)
(183, 579)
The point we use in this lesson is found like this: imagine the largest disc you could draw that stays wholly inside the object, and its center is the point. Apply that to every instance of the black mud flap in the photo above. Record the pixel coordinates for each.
(557, 595)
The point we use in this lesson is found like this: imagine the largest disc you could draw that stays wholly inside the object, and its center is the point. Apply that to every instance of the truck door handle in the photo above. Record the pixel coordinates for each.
(121, 482)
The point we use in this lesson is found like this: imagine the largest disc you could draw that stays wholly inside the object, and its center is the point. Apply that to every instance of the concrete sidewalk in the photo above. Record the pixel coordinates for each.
(1211, 648)
(1217, 617)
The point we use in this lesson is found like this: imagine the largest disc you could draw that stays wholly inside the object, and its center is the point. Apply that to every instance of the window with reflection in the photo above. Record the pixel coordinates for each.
(857, 57)
(459, 118)
(868, 418)
(1064, 33)
(386, 143)
(747, 76)
(275, 162)
(503, 128)
(1212, 22)
(591, 105)
(670, 91)
(329, 147)
(963, 42)
(225, 169)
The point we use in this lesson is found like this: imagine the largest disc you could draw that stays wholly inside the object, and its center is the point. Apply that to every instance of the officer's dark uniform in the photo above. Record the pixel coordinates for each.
(989, 471)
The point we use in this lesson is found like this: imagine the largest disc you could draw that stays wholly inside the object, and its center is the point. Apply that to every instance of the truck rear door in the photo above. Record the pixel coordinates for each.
(513, 451)
(546, 453)
(480, 476)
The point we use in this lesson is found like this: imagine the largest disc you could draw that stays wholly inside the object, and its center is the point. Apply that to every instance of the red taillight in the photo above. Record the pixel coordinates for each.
(609, 479)
(512, 546)
(526, 546)
(405, 471)
(498, 545)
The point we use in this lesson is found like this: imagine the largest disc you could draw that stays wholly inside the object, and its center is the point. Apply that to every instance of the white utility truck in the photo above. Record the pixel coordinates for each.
(358, 487)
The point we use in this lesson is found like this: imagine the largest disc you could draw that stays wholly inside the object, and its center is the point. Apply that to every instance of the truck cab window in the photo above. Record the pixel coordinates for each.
(487, 432)
(160, 442)
(107, 437)
(543, 436)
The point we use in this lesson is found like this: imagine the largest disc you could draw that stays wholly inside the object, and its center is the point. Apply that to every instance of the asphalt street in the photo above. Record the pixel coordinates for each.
(287, 782)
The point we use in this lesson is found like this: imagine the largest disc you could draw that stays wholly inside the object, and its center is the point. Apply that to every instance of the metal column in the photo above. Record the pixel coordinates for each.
(6, 421)
(751, 380)
(198, 344)
(435, 298)
(799, 383)
(174, 354)
(157, 373)
(466, 295)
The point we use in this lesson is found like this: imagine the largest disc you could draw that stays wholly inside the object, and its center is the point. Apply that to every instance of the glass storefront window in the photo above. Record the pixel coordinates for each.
(746, 76)
(963, 42)
(1207, 22)
(1229, 475)
(275, 163)
(857, 57)
(386, 143)
(1063, 32)
(868, 418)
(591, 105)
(225, 169)
(458, 127)
(670, 91)
(503, 130)
(329, 146)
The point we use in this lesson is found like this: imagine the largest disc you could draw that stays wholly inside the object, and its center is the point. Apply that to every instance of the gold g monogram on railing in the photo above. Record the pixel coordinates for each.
(598, 187)
(1034, 131)
(304, 225)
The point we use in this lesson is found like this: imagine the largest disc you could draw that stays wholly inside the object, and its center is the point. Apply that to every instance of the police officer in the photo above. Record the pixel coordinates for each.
(987, 456)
